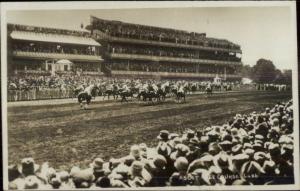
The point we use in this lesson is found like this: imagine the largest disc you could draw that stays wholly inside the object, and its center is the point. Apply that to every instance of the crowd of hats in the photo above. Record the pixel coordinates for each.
(46, 30)
(53, 48)
(134, 31)
(250, 149)
(171, 52)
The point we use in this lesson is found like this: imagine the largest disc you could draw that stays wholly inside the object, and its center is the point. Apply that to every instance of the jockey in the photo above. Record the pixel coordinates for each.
(125, 88)
(110, 87)
(145, 87)
(208, 86)
(155, 88)
(181, 89)
(89, 89)
(80, 87)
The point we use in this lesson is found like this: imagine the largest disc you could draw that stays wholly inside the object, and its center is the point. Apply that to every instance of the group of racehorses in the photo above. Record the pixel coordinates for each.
(148, 94)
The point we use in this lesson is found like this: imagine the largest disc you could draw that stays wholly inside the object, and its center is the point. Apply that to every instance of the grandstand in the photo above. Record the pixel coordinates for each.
(45, 51)
(154, 52)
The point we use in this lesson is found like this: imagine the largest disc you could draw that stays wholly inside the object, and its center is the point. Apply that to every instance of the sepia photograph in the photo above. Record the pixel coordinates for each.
(149, 95)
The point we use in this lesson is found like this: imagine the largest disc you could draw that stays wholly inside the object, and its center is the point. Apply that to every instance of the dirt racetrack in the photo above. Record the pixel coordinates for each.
(64, 135)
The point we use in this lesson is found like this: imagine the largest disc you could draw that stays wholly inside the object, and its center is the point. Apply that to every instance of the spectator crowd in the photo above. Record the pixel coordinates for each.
(250, 149)
(171, 52)
(45, 30)
(143, 32)
(54, 48)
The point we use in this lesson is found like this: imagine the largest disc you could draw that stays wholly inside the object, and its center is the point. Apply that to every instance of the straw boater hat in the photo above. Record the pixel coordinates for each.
(82, 177)
(28, 167)
(226, 145)
(64, 176)
(31, 182)
(204, 163)
(135, 151)
(181, 164)
(237, 149)
(136, 168)
(97, 164)
(172, 136)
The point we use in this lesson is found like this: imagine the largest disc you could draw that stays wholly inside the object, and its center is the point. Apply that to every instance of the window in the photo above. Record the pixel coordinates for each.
(65, 67)
(49, 67)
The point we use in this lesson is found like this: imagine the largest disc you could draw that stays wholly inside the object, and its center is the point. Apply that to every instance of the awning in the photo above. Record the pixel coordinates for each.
(56, 38)
(64, 61)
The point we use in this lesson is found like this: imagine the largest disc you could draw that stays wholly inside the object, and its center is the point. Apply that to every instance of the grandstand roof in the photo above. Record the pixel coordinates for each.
(57, 38)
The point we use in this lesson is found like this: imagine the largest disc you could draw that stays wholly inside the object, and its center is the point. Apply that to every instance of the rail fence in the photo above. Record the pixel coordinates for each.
(56, 93)
(38, 94)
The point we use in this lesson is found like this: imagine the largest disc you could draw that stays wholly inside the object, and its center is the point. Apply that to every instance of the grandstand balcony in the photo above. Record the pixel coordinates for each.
(101, 35)
(170, 59)
(174, 74)
(43, 55)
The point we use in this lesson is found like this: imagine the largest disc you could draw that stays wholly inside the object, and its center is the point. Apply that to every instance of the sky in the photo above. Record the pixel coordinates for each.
(262, 32)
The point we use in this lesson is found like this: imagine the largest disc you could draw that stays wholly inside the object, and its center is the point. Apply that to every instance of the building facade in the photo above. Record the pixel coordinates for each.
(42, 50)
(154, 52)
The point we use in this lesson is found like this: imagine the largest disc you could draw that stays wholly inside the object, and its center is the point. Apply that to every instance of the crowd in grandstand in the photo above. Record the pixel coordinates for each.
(46, 30)
(250, 149)
(169, 52)
(54, 48)
(126, 30)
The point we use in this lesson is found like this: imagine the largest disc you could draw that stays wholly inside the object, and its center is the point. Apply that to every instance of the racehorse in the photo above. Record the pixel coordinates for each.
(111, 92)
(84, 96)
(161, 94)
(150, 95)
(209, 90)
(179, 95)
(125, 94)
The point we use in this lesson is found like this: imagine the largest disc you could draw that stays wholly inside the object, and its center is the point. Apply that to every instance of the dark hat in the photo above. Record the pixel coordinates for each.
(190, 134)
(222, 161)
(163, 135)
(274, 150)
(159, 161)
(214, 148)
(28, 166)
(227, 137)
(103, 182)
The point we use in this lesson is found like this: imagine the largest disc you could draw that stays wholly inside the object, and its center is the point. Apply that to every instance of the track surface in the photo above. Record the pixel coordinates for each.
(64, 135)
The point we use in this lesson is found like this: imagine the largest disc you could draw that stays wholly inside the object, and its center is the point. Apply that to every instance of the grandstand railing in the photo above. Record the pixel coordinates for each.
(174, 59)
(173, 74)
(43, 55)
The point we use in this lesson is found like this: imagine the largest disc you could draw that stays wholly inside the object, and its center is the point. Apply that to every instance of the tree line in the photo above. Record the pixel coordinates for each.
(264, 71)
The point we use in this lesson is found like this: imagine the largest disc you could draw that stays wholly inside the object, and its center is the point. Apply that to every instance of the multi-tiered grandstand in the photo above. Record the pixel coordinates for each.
(120, 49)
(42, 50)
(147, 51)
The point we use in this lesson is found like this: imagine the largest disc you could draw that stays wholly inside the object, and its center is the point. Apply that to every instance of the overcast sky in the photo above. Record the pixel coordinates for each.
(262, 32)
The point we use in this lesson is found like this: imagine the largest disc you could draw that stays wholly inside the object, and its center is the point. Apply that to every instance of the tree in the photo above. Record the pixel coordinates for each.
(245, 71)
(264, 71)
